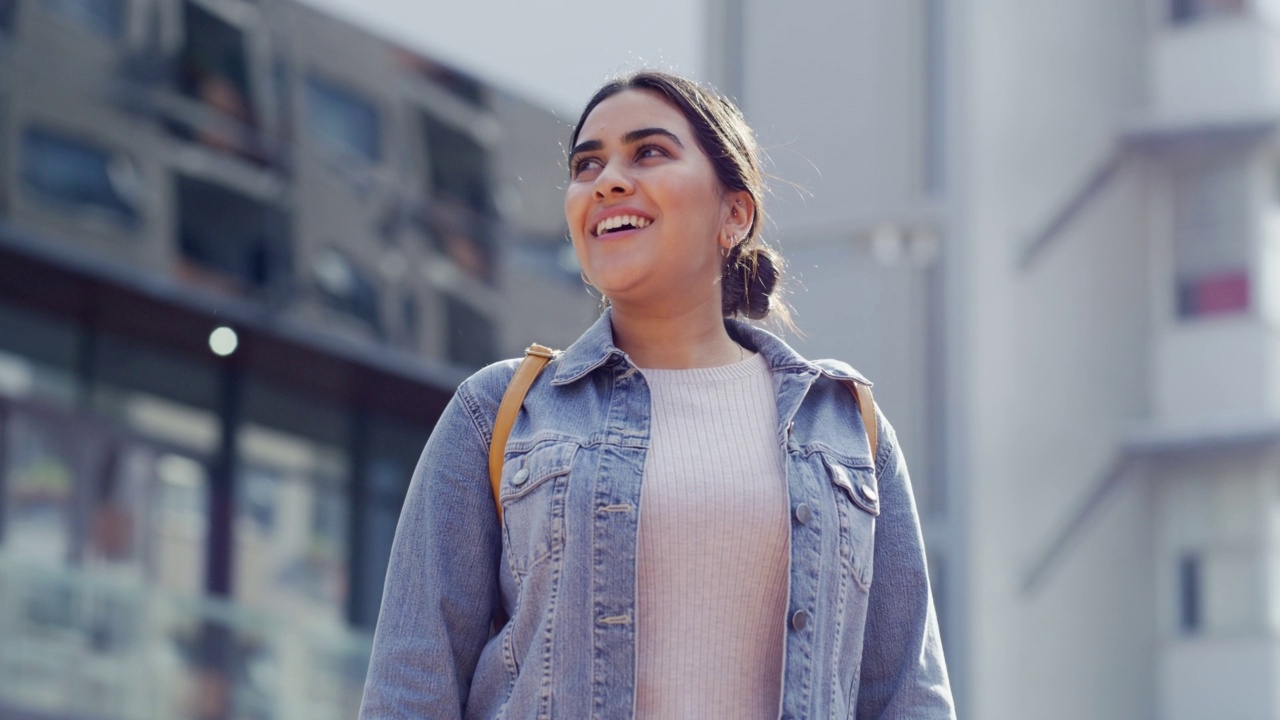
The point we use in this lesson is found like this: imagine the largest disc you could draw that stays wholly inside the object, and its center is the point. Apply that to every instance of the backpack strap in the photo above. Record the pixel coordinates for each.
(536, 358)
(867, 406)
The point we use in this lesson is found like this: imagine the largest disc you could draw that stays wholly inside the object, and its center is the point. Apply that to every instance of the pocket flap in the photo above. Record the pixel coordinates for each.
(856, 482)
(522, 472)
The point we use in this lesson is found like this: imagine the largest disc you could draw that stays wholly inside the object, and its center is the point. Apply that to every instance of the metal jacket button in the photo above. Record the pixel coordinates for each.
(868, 492)
(521, 475)
(841, 477)
(800, 620)
(803, 514)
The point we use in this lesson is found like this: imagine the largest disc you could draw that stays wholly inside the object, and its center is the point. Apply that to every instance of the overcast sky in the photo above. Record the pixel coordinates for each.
(552, 51)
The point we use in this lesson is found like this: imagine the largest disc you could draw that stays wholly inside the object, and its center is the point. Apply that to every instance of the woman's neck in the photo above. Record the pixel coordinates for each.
(693, 337)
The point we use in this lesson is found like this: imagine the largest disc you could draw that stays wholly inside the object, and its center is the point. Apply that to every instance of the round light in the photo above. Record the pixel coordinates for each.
(223, 341)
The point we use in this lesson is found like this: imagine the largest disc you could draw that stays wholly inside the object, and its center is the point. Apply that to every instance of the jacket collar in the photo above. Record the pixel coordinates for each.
(595, 348)
(591, 350)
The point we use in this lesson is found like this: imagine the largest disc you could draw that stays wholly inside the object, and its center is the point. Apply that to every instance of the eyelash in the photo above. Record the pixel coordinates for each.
(643, 148)
(640, 154)
(577, 165)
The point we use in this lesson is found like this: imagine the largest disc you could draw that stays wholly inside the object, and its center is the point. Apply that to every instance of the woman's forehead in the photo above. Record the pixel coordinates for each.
(630, 110)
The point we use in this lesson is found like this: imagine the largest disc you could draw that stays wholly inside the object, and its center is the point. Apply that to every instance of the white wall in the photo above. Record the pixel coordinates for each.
(1046, 364)
(1216, 68)
(1057, 355)
(835, 92)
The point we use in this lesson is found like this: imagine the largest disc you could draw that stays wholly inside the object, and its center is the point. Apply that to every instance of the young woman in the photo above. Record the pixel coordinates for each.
(694, 525)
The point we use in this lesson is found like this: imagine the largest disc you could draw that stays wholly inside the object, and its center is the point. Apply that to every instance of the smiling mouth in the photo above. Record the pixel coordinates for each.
(620, 223)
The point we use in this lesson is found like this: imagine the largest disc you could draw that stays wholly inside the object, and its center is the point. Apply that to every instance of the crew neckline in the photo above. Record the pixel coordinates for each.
(746, 367)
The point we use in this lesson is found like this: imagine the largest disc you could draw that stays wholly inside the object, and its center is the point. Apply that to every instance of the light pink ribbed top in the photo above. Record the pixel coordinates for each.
(713, 550)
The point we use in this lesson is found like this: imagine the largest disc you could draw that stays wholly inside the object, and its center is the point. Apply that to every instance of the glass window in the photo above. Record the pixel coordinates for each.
(158, 395)
(342, 120)
(176, 534)
(37, 356)
(228, 239)
(1189, 594)
(292, 512)
(459, 166)
(470, 335)
(39, 487)
(1181, 11)
(1212, 234)
(8, 16)
(410, 321)
(464, 87)
(105, 17)
(466, 242)
(347, 287)
(1231, 588)
(392, 455)
(213, 69)
(282, 82)
(1216, 570)
(146, 513)
(79, 175)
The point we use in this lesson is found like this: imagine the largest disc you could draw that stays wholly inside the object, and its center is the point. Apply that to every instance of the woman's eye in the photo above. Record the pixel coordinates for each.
(649, 151)
(583, 164)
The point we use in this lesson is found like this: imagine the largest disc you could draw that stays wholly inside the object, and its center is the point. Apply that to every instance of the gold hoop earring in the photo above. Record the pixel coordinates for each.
(585, 281)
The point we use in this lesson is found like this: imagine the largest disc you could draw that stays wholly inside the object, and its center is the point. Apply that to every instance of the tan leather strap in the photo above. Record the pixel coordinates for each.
(536, 358)
(867, 406)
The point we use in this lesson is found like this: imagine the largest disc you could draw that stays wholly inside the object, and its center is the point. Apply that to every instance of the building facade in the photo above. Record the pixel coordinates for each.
(246, 253)
(1047, 231)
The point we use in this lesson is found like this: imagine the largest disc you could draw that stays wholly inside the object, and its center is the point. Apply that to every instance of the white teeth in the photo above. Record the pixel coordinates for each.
(618, 221)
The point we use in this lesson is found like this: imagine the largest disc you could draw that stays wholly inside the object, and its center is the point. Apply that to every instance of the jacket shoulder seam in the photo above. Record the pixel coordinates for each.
(482, 421)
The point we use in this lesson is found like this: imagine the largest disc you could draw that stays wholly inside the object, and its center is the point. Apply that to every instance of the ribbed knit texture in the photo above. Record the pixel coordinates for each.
(713, 548)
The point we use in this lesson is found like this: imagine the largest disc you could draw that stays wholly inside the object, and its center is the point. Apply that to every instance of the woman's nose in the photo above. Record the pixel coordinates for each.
(612, 181)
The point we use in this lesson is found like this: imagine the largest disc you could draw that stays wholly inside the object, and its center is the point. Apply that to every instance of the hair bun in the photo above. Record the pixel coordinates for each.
(749, 279)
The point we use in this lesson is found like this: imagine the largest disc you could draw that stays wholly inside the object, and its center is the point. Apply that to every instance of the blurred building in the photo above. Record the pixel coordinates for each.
(1048, 231)
(194, 521)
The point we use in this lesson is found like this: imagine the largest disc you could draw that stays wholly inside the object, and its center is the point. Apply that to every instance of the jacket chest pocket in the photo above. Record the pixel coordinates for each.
(533, 502)
(857, 502)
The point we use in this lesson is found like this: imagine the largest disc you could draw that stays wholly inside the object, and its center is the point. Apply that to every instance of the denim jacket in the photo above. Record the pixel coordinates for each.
(862, 638)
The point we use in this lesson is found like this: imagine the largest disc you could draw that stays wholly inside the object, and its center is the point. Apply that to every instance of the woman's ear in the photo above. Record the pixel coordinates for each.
(739, 218)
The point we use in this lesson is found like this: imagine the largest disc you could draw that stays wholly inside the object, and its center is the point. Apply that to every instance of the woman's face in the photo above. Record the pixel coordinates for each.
(645, 210)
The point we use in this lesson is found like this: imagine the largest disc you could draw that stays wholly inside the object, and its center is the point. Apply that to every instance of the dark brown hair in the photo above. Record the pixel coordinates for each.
(750, 275)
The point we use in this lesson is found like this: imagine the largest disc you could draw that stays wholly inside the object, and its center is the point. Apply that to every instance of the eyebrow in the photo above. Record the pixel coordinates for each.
(642, 133)
(631, 137)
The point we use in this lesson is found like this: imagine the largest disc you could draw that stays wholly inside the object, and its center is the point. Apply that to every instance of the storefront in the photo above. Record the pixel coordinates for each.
(182, 530)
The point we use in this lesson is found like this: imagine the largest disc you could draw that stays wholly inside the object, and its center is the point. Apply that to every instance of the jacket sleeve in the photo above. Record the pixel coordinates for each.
(904, 675)
(442, 584)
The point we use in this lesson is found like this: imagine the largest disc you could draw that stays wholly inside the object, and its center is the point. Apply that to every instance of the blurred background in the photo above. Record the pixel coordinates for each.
(248, 248)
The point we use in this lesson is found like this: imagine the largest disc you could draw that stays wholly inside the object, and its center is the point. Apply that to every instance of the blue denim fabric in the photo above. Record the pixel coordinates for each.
(862, 637)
